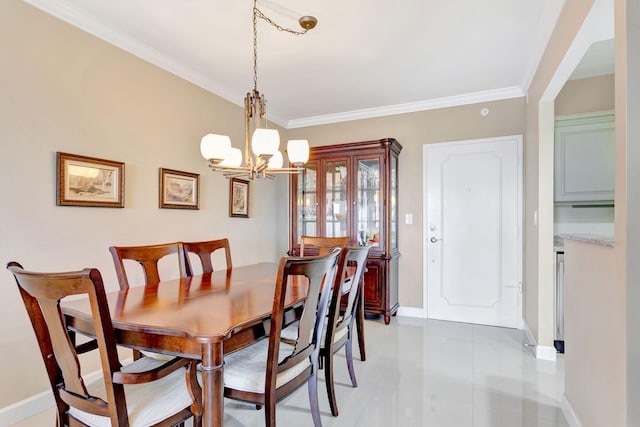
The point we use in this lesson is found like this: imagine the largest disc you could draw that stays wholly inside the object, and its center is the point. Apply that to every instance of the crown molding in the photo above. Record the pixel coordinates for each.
(430, 104)
(135, 47)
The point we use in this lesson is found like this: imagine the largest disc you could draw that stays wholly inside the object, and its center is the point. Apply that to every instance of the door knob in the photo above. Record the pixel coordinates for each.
(434, 239)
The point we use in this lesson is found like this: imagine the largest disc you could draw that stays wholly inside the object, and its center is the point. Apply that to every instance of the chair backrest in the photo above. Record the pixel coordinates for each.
(204, 250)
(41, 294)
(320, 271)
(322, 245)
(148, 257)
(350, 269)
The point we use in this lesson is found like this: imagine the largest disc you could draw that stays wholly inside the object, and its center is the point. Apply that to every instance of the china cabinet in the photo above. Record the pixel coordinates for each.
(351, 190)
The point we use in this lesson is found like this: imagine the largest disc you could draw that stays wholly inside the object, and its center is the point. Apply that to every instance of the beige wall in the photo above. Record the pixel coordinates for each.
(596, 322)
(586, 96)
(627, 183)
(413, 131)
(602, 351)
(538, 259)
(64, 90)
(594, 331)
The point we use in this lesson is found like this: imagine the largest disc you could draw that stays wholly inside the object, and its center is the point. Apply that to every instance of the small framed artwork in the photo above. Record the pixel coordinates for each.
(89, 181)
(179, 190)
(238, 198)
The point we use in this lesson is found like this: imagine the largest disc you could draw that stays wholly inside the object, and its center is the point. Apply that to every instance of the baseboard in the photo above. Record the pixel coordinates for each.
(18, 411)
(542, 352)
(569, 413)
(30, 406)
(545, 352)
(412, 312)
(530, 339)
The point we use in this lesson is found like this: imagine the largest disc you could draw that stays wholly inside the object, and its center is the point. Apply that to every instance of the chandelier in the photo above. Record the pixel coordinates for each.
(267, 159)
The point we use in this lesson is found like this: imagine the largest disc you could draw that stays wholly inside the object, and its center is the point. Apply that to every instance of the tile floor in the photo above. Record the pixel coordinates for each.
(425, 373)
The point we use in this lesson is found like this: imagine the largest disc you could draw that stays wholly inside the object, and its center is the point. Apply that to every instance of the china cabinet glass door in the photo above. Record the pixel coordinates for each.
(393, 195)
(307, 203)
(336, 203)
(369, 202)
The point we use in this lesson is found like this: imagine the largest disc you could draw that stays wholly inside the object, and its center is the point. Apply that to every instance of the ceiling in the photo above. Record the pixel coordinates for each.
(599, 59)
(364, 59)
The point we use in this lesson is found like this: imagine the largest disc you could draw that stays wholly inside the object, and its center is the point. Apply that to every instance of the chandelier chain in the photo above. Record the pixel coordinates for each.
(255, 48)
(257, 13)
(279, 27)
(267, 161)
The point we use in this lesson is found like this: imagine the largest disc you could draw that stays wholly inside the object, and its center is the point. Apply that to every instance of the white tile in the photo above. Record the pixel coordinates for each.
(425, 372)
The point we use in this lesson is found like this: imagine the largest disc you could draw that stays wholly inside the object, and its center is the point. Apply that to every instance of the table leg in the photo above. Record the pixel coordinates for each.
(360, 319)
(212, 385)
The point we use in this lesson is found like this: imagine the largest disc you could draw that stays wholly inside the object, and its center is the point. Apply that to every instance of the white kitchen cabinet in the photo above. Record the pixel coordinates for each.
(584, 158)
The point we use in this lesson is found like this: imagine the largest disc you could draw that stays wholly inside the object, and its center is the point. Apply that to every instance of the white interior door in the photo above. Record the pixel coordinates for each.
(473, 237)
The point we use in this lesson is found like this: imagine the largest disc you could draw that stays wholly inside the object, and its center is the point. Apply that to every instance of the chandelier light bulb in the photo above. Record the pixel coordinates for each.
(276, 161)
(233, 158)
(298, 151)
(265, 141)
(214, 146)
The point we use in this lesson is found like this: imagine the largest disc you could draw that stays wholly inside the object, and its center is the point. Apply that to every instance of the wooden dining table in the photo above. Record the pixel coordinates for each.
(200, 317)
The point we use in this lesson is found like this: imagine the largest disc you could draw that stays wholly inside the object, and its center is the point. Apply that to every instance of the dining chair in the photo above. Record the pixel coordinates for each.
(269, 370)
(145, 392)
(148, 257)
(204, 251)
(320, 245)
(340, 322)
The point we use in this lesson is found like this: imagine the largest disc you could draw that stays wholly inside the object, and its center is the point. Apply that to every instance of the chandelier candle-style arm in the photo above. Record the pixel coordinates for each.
(262, 158)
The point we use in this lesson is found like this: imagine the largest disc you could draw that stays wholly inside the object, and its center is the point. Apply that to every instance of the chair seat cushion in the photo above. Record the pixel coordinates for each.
(340, 333)
(290, 334)
(246, 369)
(148, 403)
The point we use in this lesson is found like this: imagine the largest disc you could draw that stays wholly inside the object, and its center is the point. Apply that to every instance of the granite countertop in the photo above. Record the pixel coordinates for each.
(594, 239)
(558, 242)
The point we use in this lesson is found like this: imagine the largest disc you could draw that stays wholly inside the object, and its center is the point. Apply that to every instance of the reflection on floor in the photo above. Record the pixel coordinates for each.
(425, 373)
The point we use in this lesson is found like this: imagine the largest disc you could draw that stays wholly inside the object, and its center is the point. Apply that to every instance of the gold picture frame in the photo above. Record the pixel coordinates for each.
(238, 198)
(179, 190)
(89, 181)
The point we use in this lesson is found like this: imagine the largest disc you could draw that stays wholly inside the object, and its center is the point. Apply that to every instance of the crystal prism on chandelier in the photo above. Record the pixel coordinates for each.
(267, 160)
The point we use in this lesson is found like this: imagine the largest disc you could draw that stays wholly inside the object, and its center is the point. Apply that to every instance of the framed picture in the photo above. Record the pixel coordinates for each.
(88, 181)
(238, 198)
(179, 190)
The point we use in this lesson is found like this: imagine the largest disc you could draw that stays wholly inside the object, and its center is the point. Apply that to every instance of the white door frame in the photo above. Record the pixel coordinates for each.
(517, 139)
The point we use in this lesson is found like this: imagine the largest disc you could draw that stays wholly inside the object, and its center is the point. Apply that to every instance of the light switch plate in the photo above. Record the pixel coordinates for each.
(408, 219)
